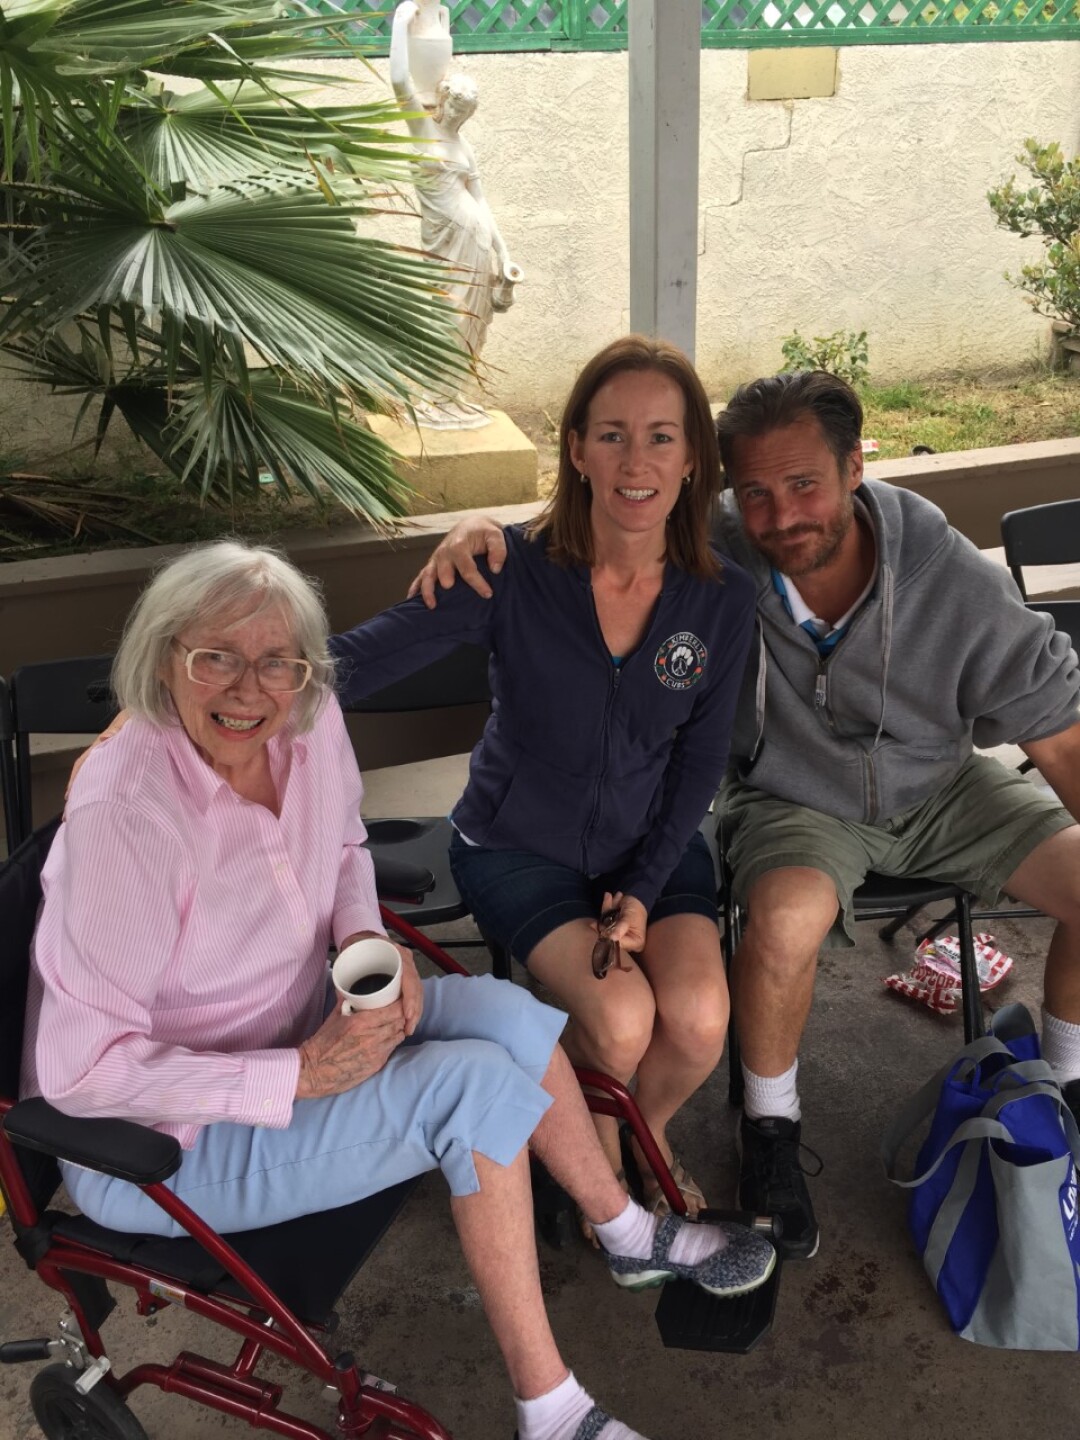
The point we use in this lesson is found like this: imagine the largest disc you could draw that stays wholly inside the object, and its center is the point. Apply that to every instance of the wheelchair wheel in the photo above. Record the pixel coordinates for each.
(65, 1413)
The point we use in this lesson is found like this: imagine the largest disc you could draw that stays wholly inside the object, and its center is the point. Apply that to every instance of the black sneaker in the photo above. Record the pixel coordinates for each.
(1070, 1093)
(771, 1181)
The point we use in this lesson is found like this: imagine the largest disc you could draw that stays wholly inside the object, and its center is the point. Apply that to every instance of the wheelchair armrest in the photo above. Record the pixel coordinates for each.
(115, 1147)
(401, 879)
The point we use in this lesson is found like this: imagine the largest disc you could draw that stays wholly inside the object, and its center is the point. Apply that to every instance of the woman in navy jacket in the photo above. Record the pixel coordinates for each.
(617, 646)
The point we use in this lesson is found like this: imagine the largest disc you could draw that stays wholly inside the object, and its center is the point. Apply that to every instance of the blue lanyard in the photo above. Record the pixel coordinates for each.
(826, 644)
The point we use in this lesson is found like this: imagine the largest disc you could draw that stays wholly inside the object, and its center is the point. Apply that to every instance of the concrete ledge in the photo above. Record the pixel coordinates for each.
(77, 605)
(976, 487)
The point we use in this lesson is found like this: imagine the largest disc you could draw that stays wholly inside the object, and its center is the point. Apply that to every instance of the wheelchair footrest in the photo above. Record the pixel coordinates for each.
(17, 1352)
(689, 1318)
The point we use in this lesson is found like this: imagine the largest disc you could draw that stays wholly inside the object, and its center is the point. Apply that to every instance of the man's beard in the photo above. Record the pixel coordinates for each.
(809, 558)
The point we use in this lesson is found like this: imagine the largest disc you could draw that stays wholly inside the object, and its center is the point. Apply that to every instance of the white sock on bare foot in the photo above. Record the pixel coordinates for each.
(557, 1415)
(632, 1234)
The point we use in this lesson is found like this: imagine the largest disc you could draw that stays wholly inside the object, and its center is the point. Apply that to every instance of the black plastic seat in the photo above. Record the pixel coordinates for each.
(56, 697)
(308, 1262)
(1041, 535)
(8, 791)
(411, 854)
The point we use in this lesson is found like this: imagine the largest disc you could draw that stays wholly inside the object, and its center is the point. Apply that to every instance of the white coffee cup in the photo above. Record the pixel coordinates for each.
(357, 964)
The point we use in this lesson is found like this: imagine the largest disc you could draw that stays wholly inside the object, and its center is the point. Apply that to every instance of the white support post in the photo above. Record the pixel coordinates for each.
(665, 92)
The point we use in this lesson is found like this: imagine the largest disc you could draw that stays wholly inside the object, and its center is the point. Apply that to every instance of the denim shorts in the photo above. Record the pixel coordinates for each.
(517, 898)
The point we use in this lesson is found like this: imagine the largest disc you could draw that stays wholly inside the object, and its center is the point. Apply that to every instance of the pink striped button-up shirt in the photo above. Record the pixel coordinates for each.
(181, 952)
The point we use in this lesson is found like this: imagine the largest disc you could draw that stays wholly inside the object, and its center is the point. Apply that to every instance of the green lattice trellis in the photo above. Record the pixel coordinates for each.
(726, 24)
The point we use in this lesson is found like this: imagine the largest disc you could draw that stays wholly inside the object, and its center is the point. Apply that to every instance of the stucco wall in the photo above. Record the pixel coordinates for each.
(865, 210)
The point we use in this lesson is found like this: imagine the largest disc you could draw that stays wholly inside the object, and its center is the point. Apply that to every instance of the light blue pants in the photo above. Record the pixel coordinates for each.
(467, 1080)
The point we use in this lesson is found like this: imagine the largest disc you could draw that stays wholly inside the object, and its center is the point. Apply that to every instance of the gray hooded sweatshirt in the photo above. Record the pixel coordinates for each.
(943, 655)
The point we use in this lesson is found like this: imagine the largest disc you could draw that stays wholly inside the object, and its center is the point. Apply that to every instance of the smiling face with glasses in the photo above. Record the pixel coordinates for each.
(233, 682)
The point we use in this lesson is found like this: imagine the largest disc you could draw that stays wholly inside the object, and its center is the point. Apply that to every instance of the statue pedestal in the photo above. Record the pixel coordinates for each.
(462, 469)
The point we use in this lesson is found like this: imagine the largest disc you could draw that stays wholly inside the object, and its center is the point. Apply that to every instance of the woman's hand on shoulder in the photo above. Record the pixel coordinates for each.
(346, 1050)
(630, 928)
(453, 557)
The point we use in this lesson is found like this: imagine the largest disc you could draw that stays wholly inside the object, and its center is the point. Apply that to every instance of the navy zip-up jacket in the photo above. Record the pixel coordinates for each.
(606, 771)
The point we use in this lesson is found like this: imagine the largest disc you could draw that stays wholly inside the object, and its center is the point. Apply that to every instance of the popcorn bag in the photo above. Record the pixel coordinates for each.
(934, 977)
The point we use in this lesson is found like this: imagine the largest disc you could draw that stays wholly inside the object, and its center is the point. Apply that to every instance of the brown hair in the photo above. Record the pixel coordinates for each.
(765, 405)
(565, 519)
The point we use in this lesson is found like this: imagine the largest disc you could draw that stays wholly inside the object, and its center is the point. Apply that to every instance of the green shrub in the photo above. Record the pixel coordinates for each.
(844, 353)
(179, 245)
(1050, 208)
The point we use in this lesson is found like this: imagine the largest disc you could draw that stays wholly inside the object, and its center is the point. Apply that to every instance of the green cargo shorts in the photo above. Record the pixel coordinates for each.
(974, 833)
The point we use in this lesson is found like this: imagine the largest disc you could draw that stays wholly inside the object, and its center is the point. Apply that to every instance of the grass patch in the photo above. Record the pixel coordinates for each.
(970, 414)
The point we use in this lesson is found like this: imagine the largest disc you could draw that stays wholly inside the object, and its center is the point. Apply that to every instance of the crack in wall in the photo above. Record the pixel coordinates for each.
(716, 205)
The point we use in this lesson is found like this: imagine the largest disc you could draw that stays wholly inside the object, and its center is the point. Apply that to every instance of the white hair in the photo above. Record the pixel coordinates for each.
(226, 580)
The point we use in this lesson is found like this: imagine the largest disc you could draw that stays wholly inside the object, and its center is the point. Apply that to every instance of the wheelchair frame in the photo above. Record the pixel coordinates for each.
(78, 1272)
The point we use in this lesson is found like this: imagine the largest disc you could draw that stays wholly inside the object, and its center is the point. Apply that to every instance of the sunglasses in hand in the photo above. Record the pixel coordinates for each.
(607, 952)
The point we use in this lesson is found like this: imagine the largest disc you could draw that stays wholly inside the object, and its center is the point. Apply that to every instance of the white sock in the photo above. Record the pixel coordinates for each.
(632, 1234)
(771, 1095)
(557, 1415)
(1061, 1046)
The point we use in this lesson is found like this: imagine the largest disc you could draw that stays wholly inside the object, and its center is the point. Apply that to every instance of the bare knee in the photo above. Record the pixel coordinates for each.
(696, 1022)
(790, 913)
(617, 1034)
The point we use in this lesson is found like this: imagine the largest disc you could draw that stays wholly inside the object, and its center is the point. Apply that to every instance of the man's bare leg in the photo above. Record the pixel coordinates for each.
(791, 910)
(1049, 879)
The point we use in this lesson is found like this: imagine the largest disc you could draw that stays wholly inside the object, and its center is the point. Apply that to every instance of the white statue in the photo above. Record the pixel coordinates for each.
(456, 222)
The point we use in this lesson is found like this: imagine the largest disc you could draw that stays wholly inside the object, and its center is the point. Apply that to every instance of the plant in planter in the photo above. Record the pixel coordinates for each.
(181, 246)
(1049, 208)
(843, 353)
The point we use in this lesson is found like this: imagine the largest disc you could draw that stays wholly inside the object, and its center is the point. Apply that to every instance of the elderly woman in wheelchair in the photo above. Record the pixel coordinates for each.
(211, 853)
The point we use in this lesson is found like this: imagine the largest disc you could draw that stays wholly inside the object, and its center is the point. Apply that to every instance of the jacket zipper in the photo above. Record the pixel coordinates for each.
(821, 703)
(605, 737)
(613, 690)
(871, 789)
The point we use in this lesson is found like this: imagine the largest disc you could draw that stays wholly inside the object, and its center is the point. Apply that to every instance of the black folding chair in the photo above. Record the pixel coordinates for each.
(1041, 535)
(275, 1288)
(8, 790)
(56, 697)
(411, 855)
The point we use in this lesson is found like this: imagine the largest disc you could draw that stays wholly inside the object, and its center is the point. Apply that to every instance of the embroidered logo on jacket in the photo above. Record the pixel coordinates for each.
(680, 661)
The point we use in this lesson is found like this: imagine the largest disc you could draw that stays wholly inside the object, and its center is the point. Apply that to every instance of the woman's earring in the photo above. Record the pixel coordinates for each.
(687, 478)
(583, 478)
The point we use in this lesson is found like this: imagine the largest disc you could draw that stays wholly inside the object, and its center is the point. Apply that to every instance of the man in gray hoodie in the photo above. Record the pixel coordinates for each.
(888, 648)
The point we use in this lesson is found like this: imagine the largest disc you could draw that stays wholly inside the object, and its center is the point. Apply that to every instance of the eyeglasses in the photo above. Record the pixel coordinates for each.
(275, 674)
(607, 952)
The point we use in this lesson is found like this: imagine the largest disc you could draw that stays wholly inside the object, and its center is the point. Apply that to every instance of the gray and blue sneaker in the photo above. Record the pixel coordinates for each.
(745, 1262)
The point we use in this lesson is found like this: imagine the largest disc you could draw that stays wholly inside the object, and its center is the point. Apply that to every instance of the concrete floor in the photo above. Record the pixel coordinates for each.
(859, 1349)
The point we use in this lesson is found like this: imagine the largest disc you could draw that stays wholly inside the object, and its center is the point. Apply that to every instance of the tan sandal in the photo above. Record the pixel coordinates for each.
(656, 1202)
